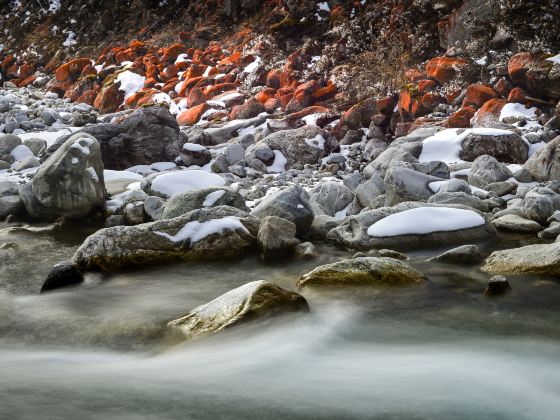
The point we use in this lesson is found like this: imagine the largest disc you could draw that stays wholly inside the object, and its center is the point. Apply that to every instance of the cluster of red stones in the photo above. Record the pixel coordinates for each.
(20, 74)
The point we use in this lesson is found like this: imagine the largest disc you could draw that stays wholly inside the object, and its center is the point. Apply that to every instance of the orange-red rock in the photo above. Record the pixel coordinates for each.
(192, 115)
(445, 69)
(109, 99)
(72, 69)
(478, 94)
(461, 118)
(518, 95)
(173, 52)
(489, 113)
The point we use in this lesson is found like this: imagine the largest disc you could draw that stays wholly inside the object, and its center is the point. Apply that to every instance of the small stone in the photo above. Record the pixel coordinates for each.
(497, 286)
(64, 274)
(389, 253)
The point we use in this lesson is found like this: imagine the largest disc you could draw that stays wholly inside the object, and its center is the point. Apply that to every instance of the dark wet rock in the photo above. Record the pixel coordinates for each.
(497, 286)
(64, 274)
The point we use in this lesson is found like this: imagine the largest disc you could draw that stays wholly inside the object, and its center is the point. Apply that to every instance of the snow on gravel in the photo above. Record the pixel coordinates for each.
(196, 231)
(424, 220)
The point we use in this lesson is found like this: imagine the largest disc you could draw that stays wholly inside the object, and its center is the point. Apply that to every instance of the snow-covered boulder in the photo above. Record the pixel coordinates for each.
(69, 184)
(363, 271)
(252, 301)
(168, 184)
(205, 234)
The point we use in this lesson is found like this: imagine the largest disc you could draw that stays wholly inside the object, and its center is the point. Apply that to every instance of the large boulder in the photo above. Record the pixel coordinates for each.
(405, 184)
(363, 271)
(291, 204)
(329, 198)
(276, 237)
(505, 146)
(487, 170)
(544, 165)
(146, 136)
(188, 201)
(252, 301)
(205, 234)
(69, 184)
(530, 259)
(536, 74)
(305, 145)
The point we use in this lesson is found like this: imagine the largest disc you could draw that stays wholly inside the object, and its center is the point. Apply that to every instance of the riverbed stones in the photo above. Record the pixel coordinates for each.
(64, 274)
(276, 237)
(515, 223)
(363, 271)
(69, 184)
(204, 234)
(466, 254)
(487, 170)
(253, 301)
(530, 259)
(497, 286)
(329, 198)
(291, 204)
(544, 165)
(188, 201)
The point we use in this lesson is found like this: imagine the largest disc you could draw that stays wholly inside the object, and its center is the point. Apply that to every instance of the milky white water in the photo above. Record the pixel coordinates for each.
(439, 351)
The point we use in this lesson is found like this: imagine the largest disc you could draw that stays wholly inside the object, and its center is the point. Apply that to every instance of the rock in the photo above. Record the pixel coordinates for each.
(306, 250)
(530, 259)
(503, 145)
(539, 204)
(276, 237)
(502, 188)
(363, 271)
(153, 207)
(466, 254)
(514, 223)
(186, 202)
(205, 234)
(544, 165)
(321, 226)
(305, 145)
(252, 301)
(386, 160)
(236, 153)
(146, 136)
(37, 146)
(195, 154)
(329, 198)
(250, 109)
(535, 74)
(487, 170)
(462, 198)
(27, 162)
(170, 183)
(115, 220)
(134, 213)
(8, 188)
(10, 205)
(497, 286)
(69, 184)
(64, 274)
(389, 253)
(291, 204)
(367, 193)
(8, 142)
(404, 184)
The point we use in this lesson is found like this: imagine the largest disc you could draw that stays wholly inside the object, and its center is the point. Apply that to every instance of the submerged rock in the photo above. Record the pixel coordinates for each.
(363, 271)
(465, 254)
(497, 286)
(64, 274)
(205, 234)
(534, 259)
(255, 300)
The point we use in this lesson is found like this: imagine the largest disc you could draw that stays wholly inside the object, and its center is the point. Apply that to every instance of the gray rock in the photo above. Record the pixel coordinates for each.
(186, 202)
(252, 301)
(263, 153)
(276, 237)
(62, 275)
(455, 185)
(27, 162)
(321, 226)
(466, 254)
(550, 232)
(530, 259)
(487, 170)
(404, 184)
(306, 250)
(115, 220)
(329, 198)
(37, 146)
(194, 154)
(545, 164)
(225, 232)
(502, 188)
(10, 205)
(4, 165)
(8, 142)
(514, 223)
(291, 204)
(134, 213)
(368, 192)
(221, 164)
(510, 147)
(446, 198)
(539, 204)
(386, 160)
(50, 116)
(238, 170)
(153, 207)
(8, 188)
(362, 271)
(234, 153)
(497, 286)
(390, 253)
(69, 184)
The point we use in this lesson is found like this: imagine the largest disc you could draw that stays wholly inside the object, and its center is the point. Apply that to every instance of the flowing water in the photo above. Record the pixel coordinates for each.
(438, 351)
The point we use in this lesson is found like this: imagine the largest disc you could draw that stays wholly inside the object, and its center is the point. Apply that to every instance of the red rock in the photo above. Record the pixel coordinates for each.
(109, 99)
(72, 69)
(125, 55)
(251, 108)
(324, 93)
(192, 115)
(284, 95)
(535, 74)
(518, 95)
(196, 97)
(489, 113)
(478, 94)
(212, 91)
(271, 105)
(173, 52)
(25, 71)
(445, 69)
(265, 95)
(79, 87)
(425, 86)
(461, 118)
(88, 97)
(273, 79)
(316, 109)
(28, 81)
(358, 116)
(150, 82)
(503, 87)
(303, 96)
(88, 70)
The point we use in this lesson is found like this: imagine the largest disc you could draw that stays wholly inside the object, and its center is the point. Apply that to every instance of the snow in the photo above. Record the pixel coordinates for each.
(164, 98)
(49, 136)
(251, 68)
(130, 83)
(424, 220)
(196, 231)
(311, 119)
(110, 175)
(279, 164)
(446, 145)
(54, 6)
(340, 215)
(555, 59)
(211, 198)
(182, 58)
(517, 110)
(21, 152)
(92, 174)
(534, 148)
(162, 166)
(172, 183)
(81, 147)
(318, 142)
(70, 39)
(323, 6)
(192, 147)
